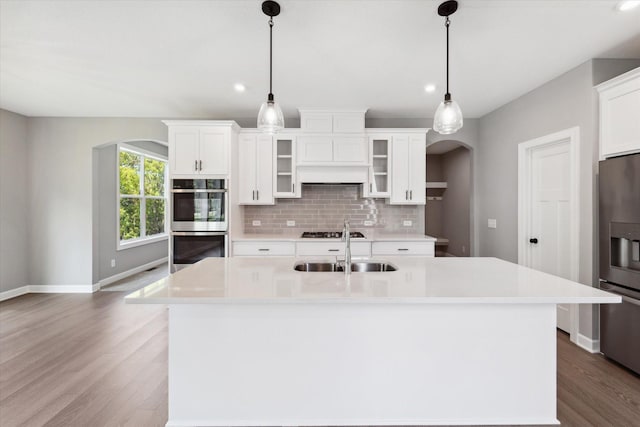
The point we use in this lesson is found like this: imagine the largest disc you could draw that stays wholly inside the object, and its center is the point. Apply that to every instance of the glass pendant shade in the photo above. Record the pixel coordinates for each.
(270, 117)
(448, 117)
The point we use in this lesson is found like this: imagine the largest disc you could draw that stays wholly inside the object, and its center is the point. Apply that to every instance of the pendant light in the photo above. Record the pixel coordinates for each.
(270, 117)
(448, 117)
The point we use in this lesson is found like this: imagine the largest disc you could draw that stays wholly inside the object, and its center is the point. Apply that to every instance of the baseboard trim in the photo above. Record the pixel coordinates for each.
(61, 289)
(12, 293)
(131, 272)
(586, 343)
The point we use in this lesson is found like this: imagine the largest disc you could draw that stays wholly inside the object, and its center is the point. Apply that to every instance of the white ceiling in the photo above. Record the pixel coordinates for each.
(180, 59)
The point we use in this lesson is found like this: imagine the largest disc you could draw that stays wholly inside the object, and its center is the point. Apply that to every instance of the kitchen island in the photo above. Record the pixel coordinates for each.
(438, 341)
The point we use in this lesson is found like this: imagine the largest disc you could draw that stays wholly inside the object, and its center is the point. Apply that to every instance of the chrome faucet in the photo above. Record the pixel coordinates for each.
(346, 237)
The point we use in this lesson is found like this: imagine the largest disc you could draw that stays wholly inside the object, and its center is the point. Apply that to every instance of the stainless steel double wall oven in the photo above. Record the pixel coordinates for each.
(199, 220)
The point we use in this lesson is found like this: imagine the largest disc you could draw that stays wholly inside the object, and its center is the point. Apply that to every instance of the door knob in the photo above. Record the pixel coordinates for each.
(534, 240)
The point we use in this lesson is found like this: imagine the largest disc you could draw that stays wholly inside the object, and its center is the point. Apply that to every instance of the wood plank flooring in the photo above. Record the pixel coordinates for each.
(91, 360)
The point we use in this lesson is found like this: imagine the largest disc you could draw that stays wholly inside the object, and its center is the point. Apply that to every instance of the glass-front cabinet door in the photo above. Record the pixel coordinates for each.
(285, 185)
(379, 170)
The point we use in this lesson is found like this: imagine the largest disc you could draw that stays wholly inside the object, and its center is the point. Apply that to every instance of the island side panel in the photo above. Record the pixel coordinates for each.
(362, 364)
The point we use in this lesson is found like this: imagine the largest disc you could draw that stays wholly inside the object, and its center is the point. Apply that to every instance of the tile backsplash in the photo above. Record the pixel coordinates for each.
(324, 207)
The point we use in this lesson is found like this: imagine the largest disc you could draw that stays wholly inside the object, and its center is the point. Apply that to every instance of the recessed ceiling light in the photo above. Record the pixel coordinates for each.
(239, 87)
(430, 88)
(624, 6)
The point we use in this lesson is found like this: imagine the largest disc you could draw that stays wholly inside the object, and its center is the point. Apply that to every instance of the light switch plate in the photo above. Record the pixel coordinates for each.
(492, 223)
(256, 223)
(407, 223)
(291, 223)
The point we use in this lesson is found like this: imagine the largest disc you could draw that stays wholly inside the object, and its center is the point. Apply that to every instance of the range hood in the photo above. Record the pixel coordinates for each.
(333, 174)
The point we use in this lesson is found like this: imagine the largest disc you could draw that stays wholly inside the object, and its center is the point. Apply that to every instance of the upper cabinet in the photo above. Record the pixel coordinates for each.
(320, 121)
(284, 180)
(409, 169)
(255, 167)
(332, 138)
(620, 114)
(379, 167)
(199, 147)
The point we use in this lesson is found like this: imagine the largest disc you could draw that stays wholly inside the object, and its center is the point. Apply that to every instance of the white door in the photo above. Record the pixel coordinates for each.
(264, 170)
(214, 151)
(247, 169)
(400, 170)
(549, 220)
(417, 169)
(183, 147)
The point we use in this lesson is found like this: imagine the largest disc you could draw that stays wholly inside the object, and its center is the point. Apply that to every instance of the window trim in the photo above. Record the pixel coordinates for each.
(140, 241)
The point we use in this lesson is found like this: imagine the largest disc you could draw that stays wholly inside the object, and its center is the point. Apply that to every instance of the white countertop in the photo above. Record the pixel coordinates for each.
(369, 236)
(422, 280)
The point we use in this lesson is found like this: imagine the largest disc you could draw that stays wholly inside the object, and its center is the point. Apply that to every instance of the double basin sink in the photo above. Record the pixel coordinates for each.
(359, 267)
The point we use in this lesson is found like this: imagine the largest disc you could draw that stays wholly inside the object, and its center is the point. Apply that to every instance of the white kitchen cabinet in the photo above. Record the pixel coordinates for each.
(263, 248)
(619, 115)
(410, 248)
(322, 121)
(379, 184)
(332, 150)
(409, 168)
(255, 167)
(199, 147)
(333, 248)
(285, 177)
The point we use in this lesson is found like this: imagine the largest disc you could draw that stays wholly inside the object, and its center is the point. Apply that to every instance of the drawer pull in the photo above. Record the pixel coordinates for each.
(264, 249)
(334, 250)
(403, 249)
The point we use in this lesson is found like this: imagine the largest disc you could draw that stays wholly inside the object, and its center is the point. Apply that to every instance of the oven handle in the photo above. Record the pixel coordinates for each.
(199, 190)
(199, 233)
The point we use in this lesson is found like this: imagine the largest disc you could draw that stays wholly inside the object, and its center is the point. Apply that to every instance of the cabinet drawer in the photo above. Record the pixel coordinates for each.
(332, 248)
(263, 248)
(403, 248)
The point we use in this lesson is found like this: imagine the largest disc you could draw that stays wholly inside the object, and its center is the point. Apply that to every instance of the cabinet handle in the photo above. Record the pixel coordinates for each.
(196, 166)
(264, 249)
(370, 188)
(293, 187)
(410, 194)
(257, 194)
(406, 195)
(334, 250)
(200, 165)
(253, 195)
(403, 249)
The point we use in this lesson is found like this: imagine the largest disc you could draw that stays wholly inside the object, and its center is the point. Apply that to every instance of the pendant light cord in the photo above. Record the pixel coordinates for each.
(446, 24)
(270, 58)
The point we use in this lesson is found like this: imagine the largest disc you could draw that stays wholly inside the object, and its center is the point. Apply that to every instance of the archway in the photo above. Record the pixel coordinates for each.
(449, 187)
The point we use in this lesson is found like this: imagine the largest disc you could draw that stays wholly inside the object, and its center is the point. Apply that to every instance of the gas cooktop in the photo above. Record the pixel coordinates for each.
(331, 234)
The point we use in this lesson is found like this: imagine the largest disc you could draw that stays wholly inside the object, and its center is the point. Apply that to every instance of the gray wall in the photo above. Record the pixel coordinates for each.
(567, 101)
(107, 226)
(14, 229)
(456, 203)
(61, 183)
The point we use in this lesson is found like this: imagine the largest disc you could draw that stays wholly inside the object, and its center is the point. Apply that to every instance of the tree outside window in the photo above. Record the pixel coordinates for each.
(142, 195)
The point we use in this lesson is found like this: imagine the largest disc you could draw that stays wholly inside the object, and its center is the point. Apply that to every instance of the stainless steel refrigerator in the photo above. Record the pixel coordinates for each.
(619, 232)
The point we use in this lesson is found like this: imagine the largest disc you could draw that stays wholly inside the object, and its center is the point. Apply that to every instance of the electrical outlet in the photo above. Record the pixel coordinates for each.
(256, 223)
(368, 223)
(291, 223)
(407, 223)
(492, 223)
(113, 263)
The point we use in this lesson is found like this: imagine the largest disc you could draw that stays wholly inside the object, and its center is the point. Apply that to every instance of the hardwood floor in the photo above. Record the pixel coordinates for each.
(91, 360)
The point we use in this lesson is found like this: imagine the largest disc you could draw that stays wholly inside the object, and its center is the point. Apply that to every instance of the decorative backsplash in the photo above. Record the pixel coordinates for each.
(324, 207)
